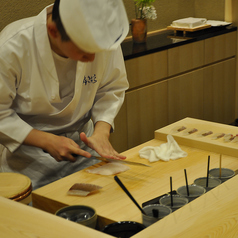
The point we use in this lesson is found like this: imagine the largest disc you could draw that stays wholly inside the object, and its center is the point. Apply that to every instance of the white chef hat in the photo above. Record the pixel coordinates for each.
(94, 25)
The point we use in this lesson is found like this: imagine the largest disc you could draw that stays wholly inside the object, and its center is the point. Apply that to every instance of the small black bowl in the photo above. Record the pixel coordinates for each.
(123, 229)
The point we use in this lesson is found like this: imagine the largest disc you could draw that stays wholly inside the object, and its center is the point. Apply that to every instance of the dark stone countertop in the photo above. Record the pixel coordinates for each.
(167, 39)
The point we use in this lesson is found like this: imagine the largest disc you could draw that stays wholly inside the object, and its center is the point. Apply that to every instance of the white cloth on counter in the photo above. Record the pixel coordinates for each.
(166, 151)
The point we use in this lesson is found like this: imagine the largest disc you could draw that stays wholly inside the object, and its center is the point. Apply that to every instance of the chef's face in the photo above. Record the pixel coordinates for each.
(67, 48)
(70, 50)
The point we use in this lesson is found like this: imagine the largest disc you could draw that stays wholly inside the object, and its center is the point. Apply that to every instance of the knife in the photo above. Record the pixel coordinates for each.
(122, 161)
(114, 160)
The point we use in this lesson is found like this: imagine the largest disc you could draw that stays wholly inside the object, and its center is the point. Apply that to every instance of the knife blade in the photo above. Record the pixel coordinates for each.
(122, 161)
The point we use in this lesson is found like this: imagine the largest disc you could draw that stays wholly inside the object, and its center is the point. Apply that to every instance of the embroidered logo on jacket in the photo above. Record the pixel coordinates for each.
(89, 79)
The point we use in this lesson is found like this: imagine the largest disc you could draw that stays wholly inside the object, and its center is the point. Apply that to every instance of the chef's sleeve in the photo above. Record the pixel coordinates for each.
(13, 130)
(111, 92)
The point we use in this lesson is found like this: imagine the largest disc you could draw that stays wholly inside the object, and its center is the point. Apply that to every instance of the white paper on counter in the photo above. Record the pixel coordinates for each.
(218, 23)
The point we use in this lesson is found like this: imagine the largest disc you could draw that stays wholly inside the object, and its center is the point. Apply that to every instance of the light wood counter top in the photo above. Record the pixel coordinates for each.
(18, 220)
(211, 214)
(143, 183)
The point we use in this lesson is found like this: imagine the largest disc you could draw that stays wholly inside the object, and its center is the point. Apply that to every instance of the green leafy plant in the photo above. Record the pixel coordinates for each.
(144, 9)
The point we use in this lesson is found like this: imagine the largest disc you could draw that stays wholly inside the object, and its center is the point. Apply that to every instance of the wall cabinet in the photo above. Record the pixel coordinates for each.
(147, 108)
(147, 69)
(219, 92)
(185, 96)
(194, 80)
(220, 47)
(186, 57)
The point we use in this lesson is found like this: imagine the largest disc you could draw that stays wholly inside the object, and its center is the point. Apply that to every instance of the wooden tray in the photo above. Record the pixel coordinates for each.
(198, 28)
(204, 143)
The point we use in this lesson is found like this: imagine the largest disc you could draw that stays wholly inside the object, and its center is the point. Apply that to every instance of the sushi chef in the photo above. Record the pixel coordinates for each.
(62, 83)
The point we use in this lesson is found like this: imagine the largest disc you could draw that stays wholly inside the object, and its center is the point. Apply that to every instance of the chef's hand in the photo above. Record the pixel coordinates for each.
(59, 147)
(64, 148)
(99, 141)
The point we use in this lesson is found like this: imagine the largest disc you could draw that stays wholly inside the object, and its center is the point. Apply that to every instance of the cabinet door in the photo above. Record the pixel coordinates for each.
(118, 138)
(220, 47)
(186, 57)
(147, 110)
(185, 96)
(219, 92)
(147, 69)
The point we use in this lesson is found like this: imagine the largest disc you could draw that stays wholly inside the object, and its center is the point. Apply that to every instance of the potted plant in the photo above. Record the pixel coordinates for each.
(144, 10)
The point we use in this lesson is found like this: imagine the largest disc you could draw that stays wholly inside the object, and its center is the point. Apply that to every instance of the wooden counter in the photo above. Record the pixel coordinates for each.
(213, 213)
(201, 142)
(18, 220)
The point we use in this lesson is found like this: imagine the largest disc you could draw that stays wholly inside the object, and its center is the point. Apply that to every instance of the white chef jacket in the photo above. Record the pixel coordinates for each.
(29, 88)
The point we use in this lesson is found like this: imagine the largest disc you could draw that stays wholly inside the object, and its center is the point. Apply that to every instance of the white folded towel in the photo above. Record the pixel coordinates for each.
(189, 22)
(166, 151)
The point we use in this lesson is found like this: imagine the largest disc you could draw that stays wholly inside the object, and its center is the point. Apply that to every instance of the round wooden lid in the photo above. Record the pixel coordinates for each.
(14, 185)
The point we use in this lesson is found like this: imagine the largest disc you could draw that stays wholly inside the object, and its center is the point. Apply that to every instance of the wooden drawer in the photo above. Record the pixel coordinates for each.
(220, 47)
(146, 69)
(186, 57)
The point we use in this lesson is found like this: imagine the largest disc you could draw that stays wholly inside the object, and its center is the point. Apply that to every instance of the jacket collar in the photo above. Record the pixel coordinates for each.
(42, 41)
